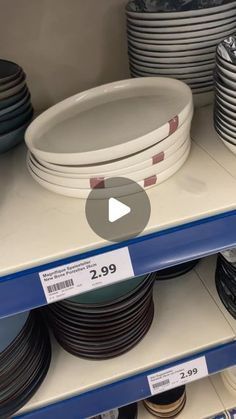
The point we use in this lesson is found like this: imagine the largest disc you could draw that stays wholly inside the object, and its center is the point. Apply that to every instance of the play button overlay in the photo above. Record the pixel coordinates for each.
(117, 210)
(115, 217)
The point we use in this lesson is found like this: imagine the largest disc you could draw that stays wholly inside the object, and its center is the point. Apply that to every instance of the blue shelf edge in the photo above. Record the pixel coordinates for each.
(23, 291)
(128, 390)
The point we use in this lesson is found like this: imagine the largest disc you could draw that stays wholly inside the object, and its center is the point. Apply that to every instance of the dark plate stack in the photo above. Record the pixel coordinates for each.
(126, 412)
(104, 323)
(16, 110)
(25, 355)
(178, 270)
(168, 404)
(226, 283)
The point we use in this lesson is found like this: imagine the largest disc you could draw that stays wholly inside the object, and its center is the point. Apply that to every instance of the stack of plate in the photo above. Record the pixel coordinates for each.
(25, 355)
(137, 129)
(168, 404)
(226, 283)
(175, 271)
(126, 412)
(107, 322)
(16, 110)
(225, 92)
(176, 39)
(229, 379)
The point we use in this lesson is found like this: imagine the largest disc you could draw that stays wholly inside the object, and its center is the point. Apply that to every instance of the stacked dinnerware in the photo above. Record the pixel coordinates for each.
(225, 92)
(175, 271)
(229, 379)
(25, 355)
(178, 39)
(137, 129)
(126, 412)
(107, 322)
(167, 404)
(16, 110)
(226, 282)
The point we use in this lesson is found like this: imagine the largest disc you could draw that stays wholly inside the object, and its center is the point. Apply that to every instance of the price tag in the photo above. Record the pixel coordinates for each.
(87, 274)
(177, 375)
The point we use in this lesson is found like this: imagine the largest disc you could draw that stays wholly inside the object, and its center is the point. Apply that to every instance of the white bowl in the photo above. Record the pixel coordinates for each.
(204, 14)
(115, 192)
(230, 106)
(226, 137)
(186, 27)
(88, 182)
(229, 99)
(97, 172)
(149, 20)
(225, 64)
(115, 119)
(227, 118)
(227, 82)
(152, 153)
(231, 75)
(227, 129)
(219, 84)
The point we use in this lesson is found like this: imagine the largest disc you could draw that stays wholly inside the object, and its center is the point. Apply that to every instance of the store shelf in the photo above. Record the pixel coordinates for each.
(193, 214)
(187, 324)
(202, 402)
(203, 133)
(206, 271)
(227, 398)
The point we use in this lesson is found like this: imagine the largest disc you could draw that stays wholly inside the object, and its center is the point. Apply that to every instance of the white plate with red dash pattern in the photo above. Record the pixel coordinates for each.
(110, 121)
(126, 189)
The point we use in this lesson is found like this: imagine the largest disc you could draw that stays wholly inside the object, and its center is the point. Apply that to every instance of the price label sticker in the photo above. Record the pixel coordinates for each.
(177, 375)
(87, 274)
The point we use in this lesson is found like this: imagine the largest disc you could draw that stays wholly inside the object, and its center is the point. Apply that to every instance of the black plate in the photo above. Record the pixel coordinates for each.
(178, 270)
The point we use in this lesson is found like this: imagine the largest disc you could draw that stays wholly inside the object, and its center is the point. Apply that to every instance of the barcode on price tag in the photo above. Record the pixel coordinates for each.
(177, 375)
(87, 274)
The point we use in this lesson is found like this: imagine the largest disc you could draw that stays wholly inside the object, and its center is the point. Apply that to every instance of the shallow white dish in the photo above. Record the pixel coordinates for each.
(203, 13)
(227, 118)
(224, 110)
(229, 99)
(173, 36)
(225, 136)
(229, 105)
(88, 182)
(224, 88)
(224, 126)
(225, 64)
(94, 126)
(230, 75)
(198, 22)
(153, 153)
(116, 192)
(190, 79)
(186, 27)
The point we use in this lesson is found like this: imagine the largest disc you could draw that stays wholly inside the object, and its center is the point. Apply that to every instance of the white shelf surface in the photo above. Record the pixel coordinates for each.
(202, 402)
(206, 270)
(38, 226)
(227, 398)
(182, 308)
(204, 134)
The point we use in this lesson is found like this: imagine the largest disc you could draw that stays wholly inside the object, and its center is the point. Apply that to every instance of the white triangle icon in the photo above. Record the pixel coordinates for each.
(117, 210)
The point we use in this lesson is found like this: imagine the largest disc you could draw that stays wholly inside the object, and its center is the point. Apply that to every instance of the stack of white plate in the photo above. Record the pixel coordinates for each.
(229, 379)
(179, 43)
(225, 92)
(137, 129)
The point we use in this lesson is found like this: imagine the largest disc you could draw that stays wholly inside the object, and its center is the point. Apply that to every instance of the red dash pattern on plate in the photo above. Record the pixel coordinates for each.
(173, 125)
(158, 157)
(97, 183)
(149, 181)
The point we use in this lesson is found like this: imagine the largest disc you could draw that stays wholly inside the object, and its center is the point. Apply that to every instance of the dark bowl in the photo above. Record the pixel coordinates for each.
(8, 71)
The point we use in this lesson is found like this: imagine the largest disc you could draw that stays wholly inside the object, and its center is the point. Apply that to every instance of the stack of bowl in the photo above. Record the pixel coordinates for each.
(16, 110)
(107, 322)
(225, 92)
(226, 283)
(137, 129)
(25, 355)
(229, 379)
(167, 404)
(126, 412)
(175, 271)
(178, 39)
